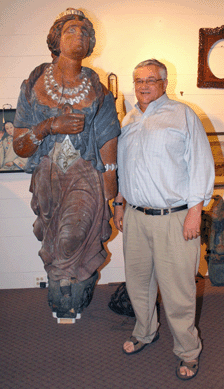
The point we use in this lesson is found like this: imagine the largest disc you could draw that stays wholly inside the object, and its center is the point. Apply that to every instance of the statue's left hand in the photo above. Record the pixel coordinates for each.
(110, 184)
(109, 156)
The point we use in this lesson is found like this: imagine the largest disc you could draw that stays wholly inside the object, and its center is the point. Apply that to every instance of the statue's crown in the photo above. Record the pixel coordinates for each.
(70, 11)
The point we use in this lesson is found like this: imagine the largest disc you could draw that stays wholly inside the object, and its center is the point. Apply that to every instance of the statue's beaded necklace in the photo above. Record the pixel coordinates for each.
(66, 95)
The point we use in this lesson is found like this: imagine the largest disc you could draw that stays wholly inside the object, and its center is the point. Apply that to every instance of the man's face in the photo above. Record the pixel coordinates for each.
(147, 89)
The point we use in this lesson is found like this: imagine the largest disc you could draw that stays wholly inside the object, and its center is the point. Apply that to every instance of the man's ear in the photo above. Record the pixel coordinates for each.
(165, 83)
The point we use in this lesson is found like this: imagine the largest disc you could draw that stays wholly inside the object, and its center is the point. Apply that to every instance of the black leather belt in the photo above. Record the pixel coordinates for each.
(163, 211)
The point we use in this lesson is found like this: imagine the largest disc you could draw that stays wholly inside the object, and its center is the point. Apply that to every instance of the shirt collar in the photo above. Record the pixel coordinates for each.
(154, 104)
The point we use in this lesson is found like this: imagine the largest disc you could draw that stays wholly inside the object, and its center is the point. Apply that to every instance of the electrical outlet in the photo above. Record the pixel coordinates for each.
(40, 278)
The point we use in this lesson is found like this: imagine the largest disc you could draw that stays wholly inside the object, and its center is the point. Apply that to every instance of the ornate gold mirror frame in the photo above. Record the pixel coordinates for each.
(207, 38)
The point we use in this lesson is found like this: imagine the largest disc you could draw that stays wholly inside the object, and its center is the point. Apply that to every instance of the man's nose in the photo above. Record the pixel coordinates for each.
(145, 83)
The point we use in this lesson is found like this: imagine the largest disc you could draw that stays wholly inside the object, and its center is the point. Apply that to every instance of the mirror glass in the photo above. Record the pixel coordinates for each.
(216, 59)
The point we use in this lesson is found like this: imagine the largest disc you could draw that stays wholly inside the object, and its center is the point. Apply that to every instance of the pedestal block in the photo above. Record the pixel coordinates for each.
(70, 305)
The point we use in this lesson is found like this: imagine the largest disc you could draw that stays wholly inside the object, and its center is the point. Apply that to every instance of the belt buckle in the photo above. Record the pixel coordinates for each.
(166, 211)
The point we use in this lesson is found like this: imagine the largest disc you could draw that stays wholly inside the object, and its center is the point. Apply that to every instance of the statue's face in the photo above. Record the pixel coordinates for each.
(75, 37)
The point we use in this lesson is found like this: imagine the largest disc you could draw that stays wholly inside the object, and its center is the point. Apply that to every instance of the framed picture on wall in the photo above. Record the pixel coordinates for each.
(216, 141)
(9, 161)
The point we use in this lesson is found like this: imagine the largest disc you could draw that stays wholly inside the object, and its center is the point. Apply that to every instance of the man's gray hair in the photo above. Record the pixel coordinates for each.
(161, 66)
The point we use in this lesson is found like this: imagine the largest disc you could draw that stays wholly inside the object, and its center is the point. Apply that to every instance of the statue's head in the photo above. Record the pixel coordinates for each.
(54, 36)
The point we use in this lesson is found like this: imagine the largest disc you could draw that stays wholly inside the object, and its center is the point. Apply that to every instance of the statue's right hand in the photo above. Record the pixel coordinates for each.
(71, 123)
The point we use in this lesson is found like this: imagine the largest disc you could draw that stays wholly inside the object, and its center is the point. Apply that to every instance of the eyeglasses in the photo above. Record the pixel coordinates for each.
(149, 81)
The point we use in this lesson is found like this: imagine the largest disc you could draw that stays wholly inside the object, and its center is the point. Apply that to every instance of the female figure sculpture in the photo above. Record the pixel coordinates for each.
(67, 126)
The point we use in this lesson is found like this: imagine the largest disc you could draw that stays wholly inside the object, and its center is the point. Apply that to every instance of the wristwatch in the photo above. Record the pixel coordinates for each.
(116, 203)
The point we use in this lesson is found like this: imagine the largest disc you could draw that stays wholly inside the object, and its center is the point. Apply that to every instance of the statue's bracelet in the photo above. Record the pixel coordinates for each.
(112, 166)
(116, 203)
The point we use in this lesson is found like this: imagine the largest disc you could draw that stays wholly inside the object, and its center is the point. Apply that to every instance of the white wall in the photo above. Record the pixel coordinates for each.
(127, 32)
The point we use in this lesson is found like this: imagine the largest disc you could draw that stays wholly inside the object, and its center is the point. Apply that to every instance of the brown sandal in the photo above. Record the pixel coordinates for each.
(193, 366)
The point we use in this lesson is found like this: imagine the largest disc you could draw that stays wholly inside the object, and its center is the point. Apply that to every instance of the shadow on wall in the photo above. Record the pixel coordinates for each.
(171, 92)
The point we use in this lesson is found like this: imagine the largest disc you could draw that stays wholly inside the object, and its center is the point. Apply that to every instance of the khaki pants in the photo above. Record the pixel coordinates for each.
(156, 254)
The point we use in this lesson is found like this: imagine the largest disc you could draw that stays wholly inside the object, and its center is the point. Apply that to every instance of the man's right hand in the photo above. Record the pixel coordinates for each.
(118, 217)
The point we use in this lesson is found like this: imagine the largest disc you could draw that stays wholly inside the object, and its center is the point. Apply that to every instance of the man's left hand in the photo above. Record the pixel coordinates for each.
(192, 222)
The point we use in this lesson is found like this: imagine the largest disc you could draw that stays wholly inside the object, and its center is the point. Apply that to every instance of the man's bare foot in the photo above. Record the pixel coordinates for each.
(128, 346)
(133, 345)
(185, 371)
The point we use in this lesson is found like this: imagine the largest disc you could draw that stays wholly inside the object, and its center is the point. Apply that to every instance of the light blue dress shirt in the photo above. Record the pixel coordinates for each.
(164, 156)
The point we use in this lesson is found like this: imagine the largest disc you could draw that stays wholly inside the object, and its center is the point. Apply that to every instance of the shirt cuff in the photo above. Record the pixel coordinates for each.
(196, 200)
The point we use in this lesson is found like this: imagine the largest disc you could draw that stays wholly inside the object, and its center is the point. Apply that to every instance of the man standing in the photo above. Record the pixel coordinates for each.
(166, 175)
